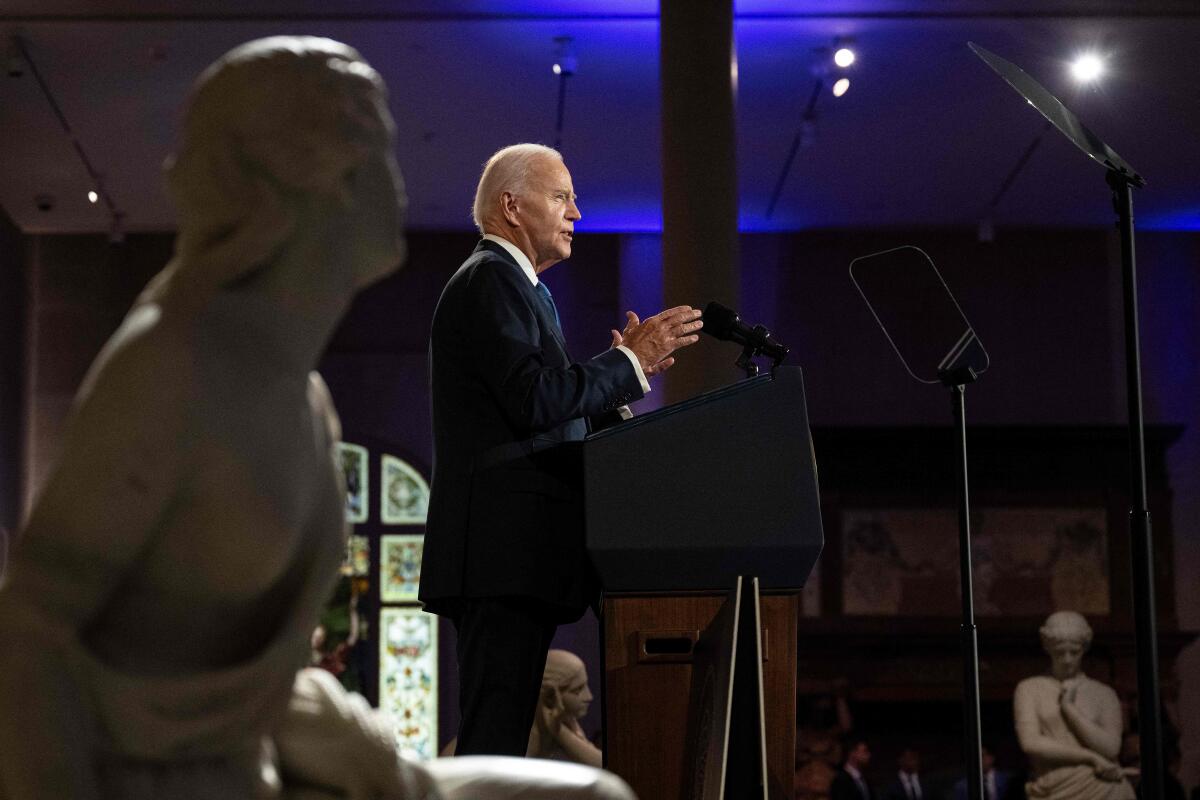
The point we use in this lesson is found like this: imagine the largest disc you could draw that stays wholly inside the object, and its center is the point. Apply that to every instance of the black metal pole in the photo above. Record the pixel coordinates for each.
(970, 640)
(1141, 541)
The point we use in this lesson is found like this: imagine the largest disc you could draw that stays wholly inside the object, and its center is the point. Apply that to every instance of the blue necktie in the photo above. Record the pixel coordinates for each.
(544, 292)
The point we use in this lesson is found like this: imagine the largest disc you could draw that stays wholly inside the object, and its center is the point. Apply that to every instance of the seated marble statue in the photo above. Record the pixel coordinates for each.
(1068, 724)
(159, 600)
(562, 703)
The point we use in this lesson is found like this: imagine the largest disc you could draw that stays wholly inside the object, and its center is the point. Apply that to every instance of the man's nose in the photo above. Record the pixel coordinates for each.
(573, 212)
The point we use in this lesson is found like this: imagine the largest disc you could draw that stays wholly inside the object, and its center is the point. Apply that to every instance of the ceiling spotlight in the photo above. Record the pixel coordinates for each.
(844, 57)
(1087, 67)
(841, 87)
(92, 196)
(565, 62)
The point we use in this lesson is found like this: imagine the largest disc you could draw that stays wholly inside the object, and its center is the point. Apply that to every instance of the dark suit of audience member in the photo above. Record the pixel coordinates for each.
(997, 785)
(905, 786)
(848, 787)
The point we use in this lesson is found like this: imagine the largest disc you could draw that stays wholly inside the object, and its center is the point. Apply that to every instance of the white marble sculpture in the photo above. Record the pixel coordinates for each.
(1068, 724)
(160, 598)
(564, 701)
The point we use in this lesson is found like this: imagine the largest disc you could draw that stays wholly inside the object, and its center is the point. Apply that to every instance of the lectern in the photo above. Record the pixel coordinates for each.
(679, 504)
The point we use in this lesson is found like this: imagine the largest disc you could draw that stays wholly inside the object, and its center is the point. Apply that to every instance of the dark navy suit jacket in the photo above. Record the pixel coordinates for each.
(505, 512)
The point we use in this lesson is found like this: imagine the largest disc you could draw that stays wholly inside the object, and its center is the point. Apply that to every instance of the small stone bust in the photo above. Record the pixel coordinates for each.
(564, 701)
(1069, 724)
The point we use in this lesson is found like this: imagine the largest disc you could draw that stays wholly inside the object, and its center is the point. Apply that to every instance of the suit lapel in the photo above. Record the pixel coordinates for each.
(544, 317)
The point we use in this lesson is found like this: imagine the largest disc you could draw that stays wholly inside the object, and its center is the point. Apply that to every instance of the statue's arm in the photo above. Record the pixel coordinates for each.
(1036, 744)
(1103, 734)
(98, 509)
(577, 746)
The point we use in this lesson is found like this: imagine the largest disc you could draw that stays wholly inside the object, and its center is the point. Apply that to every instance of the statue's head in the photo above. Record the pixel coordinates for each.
(1066, 636)
(280, 135)
(566, 675)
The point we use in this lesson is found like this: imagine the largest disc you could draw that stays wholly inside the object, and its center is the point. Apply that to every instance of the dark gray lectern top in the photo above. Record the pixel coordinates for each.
(688, 497)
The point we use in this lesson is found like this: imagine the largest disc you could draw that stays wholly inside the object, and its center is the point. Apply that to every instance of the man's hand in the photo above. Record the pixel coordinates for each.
(654, 340)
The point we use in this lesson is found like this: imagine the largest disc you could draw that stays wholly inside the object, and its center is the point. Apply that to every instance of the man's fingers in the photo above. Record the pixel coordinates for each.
(633, 320)
(660, 367)
(616, 337)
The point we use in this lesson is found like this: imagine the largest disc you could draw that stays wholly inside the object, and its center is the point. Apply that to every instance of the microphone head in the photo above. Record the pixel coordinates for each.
(719, 321)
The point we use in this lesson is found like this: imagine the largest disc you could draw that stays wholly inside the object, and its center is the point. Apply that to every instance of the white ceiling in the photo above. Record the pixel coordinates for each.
(925, 136)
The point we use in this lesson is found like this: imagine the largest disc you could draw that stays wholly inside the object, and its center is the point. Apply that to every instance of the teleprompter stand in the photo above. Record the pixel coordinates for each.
(935, 343)
(1121, 179)
(703, 523)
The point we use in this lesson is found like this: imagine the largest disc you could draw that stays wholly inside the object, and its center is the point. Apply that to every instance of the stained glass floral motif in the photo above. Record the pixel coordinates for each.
(408, 688)
(404, 499)
(354, 467)
(400, 567)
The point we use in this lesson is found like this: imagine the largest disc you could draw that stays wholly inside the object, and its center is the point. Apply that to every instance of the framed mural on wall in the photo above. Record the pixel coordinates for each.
(354, 459)
(404, 498)
(400, 567)
(1027, 561)
(408, 685)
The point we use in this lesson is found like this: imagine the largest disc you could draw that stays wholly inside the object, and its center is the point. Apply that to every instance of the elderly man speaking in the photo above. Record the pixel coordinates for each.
(504, 546)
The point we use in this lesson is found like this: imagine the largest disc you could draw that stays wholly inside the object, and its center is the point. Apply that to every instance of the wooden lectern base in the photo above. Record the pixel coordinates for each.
(648, 644)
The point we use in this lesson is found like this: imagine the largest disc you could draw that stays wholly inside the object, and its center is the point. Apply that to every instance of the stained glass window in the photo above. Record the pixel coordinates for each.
(400, 567)
(354, 467)
(404, 498)
(408, 688)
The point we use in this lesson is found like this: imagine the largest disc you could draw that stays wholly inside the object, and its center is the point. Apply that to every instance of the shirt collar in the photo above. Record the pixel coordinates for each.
(514, 251)
(854, 773)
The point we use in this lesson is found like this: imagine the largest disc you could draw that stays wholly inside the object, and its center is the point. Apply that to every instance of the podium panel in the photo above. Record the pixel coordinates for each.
(647, 694)
(690, 496)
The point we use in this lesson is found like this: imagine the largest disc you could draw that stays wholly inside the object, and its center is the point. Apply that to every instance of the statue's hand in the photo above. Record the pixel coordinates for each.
(1105, 769)
(1066, 694)
(550, 711)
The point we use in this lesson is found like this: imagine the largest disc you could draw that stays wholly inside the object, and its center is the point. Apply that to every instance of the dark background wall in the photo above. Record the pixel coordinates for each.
(1046, 303)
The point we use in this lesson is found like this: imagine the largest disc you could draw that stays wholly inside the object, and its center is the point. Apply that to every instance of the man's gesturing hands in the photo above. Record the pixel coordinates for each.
(653, 340)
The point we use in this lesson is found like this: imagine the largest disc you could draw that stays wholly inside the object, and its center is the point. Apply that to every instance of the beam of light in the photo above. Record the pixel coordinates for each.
(844, 57)
(557, 68)
(1087, 67)
(93, 197)
(841, 87)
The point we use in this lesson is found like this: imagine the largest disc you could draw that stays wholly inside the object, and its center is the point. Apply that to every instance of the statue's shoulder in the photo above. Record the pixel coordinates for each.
(148, 361)
(321, 403)
(1036, 684)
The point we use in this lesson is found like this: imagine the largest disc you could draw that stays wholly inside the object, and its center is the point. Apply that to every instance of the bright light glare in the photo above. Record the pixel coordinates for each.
(844, 57)
(557, 68)
(1088, 67)
(841, 87)
(93, 197)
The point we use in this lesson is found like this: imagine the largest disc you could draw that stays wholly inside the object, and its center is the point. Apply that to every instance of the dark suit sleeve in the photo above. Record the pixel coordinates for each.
(534, 392)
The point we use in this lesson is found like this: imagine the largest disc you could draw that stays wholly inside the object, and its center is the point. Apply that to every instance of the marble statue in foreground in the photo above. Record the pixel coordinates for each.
(1068, 724)
(160, 599)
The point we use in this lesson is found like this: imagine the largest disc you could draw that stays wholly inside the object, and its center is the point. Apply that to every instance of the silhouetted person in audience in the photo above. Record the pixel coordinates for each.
(996, 782)
(907, 783)
(850, 783)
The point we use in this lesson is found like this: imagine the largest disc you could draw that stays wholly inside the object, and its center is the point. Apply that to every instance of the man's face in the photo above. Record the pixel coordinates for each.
(910, 762)
(546, 210)
(860, 755)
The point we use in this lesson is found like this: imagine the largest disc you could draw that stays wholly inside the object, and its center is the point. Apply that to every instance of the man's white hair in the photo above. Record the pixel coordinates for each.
(507, 171)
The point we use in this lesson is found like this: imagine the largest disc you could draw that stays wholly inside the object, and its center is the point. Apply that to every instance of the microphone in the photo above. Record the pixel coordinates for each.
(722, 322)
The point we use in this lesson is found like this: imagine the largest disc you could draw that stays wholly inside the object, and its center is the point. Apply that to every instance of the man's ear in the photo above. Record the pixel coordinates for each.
(508, 207)
(551, 697)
